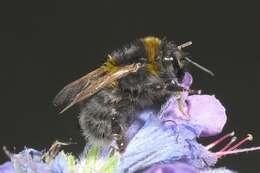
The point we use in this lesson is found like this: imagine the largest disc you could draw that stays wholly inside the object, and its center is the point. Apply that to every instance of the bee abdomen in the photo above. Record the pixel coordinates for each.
(95, 131)
(95, 118)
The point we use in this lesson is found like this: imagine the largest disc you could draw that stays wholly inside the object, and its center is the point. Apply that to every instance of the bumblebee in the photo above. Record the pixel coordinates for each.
(142, 75)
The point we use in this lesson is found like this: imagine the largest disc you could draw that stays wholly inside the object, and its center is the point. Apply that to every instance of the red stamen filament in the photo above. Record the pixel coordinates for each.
(213, 144)
(221, 154)
(248, 138)
(233, 150)
(229, 144)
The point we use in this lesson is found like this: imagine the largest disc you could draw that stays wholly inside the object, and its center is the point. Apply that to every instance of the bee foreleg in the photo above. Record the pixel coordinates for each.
(186, 116)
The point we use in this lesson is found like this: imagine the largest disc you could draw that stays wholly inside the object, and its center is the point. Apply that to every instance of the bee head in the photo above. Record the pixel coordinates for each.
(171, 62)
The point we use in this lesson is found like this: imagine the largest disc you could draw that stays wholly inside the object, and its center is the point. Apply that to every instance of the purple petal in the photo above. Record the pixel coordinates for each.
(187, 80)
(218, 170)
(202, 109)
(205, 109)
(170, 112)
(7, 167)
(177, 167)
(180, 167)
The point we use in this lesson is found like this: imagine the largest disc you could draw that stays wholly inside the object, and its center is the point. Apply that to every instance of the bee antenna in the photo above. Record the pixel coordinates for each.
(184, 45)
(199, 66)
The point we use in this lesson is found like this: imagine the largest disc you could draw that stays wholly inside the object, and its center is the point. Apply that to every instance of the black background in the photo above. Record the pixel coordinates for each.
(47, 44)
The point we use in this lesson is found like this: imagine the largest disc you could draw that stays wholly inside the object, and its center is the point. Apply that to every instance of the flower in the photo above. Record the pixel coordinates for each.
(60, 164)
(180, 167)
(202, 109)
(31, 161)
(155, 143)
(177, 167)
(158, 144)
(7, 167)
(165, 142)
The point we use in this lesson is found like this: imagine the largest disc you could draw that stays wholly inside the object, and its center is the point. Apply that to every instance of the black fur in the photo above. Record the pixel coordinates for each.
(113, 109)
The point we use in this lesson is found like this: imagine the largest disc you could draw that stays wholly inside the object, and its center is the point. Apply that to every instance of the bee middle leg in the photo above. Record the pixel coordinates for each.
(118, 134)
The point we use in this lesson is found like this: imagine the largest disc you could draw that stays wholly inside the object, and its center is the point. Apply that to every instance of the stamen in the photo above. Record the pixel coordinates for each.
(234, 150)
(221, 154)
(213, 144)
(248, 138)
(7, 152)
(229, 144)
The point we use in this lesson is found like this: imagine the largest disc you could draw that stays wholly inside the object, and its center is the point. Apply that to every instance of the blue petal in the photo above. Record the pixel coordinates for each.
(137, 125)
(155, 143)
(60, 164)
(29, 160)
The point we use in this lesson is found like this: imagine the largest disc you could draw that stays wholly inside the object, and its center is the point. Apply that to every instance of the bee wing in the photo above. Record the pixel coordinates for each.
(99, 83)
(69, 92)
